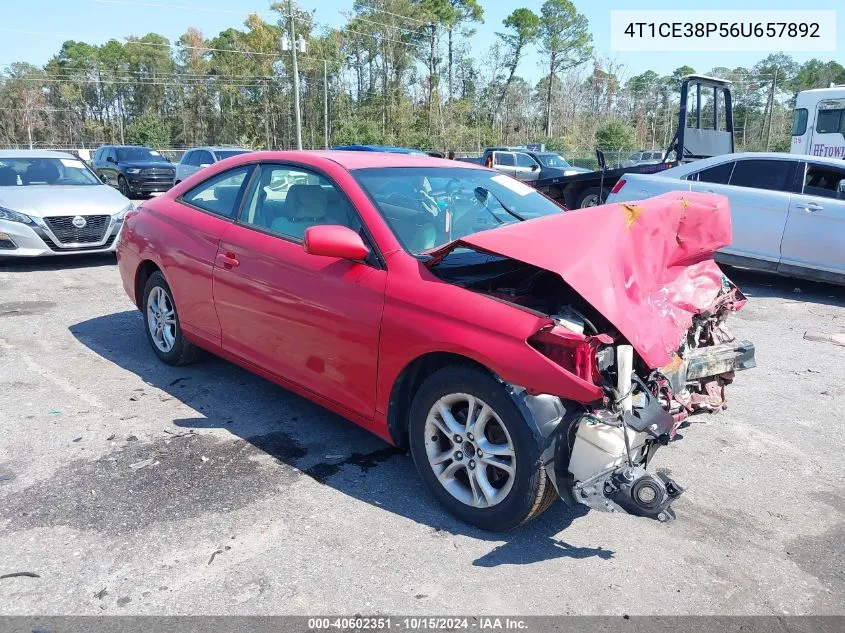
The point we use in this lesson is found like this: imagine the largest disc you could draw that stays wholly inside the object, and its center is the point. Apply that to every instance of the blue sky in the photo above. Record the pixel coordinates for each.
(97, 21)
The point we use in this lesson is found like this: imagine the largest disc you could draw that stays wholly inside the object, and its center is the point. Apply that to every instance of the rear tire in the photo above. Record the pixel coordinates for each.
(473, 483)
(590, 197)
(161, 323)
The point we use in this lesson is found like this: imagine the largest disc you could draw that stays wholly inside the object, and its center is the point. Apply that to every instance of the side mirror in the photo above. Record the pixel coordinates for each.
(535, 167)
(110, 159)
(333, 240)
(104, 179)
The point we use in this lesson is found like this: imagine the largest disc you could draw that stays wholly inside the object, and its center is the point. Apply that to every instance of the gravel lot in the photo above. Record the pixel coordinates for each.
(131, 487)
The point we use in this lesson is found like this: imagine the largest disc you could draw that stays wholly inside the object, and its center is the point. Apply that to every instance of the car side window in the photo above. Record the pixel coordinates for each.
(762, 174)
(503, 158)
(524, 160)
(824, 180)
(204, 157)
(186, 158)
(97, 155)
(221, 193)
(718, 174)
(287, 200)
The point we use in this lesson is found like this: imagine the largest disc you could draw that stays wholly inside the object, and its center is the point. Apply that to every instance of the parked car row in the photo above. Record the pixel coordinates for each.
(53, 203)
(139, 171)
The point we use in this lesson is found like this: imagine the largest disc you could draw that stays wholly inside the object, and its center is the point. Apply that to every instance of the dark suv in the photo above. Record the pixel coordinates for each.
(133, 169)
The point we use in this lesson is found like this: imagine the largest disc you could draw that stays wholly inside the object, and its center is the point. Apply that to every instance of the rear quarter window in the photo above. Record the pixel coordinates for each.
(718, 174)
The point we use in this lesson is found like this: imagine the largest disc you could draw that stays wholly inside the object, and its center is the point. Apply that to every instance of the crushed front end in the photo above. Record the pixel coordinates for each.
(636, 306)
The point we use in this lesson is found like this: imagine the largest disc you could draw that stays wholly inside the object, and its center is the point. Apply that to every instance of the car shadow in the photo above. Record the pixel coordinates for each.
(64, 262)
(321, 445)
(762, 284)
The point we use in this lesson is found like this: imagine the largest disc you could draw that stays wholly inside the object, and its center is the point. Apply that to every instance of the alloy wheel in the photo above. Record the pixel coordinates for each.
(470, 450)
(161, 319)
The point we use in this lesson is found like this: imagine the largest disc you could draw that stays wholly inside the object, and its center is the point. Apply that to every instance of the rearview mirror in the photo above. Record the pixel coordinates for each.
(333, 240)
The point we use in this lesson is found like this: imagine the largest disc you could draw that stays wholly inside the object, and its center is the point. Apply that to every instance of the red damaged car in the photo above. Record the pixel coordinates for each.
(520, 352)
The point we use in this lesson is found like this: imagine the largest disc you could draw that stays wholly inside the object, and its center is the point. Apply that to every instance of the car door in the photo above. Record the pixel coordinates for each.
(312, 321)
(191, 230)
(758, 190)
(527, 169)
(183, 169)
(815, 229)
(505, 162)
(203, 159)
(106, 166)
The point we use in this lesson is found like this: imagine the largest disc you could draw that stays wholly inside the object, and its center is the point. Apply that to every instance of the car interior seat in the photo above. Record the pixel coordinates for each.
(8, 177)
(305, 205)
(41, 172)
(225, 196)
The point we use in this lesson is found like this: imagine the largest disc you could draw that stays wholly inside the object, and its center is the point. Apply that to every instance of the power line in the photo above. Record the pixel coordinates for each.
(177, 7)
(415, 31)
(396, 15)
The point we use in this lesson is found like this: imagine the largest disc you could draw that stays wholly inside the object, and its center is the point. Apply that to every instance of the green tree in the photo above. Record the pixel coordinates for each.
(149, 129)
(566, 42)
(615, 135)
(524, 29)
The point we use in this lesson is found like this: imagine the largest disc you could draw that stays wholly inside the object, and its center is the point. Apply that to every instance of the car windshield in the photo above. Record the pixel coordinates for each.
(553, 160)
(45, 171)
(142, 154)
(427, 207)
(228, 153)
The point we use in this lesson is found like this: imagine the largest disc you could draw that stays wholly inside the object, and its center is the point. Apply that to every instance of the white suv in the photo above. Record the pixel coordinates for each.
(195, 159)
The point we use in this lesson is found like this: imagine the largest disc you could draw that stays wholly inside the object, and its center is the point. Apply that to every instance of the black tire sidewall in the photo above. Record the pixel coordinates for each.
(123, 186)
(517, 506)
(603, 193)
(174, 356)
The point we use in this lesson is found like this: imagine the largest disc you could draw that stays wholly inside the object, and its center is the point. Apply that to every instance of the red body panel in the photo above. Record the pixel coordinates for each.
(313, 320)
(340, 332)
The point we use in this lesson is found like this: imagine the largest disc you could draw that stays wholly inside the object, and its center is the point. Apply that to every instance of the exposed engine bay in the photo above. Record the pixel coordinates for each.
(597, 453)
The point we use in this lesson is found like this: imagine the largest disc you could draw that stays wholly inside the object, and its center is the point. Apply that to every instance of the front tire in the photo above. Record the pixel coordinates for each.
(162, 326)
(475, 452)
(123, 187)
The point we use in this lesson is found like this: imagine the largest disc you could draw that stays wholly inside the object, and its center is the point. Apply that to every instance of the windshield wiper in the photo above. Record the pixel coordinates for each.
(482, 194)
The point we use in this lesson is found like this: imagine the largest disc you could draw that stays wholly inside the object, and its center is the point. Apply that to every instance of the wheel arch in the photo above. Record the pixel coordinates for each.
(408, 382)
(145, 270)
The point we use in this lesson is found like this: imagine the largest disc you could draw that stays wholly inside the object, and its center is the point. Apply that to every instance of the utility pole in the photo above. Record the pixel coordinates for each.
(293, 44)
(326, 102)
(266, 117)
(771, 107)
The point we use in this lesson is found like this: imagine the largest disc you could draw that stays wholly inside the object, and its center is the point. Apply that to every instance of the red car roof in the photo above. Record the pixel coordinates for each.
(361, 160)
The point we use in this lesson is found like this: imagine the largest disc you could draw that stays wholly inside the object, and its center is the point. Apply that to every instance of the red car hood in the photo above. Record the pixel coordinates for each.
(647, 267)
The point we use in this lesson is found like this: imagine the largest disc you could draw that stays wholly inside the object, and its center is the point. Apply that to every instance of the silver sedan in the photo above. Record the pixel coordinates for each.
(51, 203)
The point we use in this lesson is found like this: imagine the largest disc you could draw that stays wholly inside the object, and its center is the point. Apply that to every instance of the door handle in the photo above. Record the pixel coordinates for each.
(227, 260)
(810, 207)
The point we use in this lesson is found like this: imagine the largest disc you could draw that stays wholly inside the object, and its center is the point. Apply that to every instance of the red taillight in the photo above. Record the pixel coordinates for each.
(574, 352)
(618, 186)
